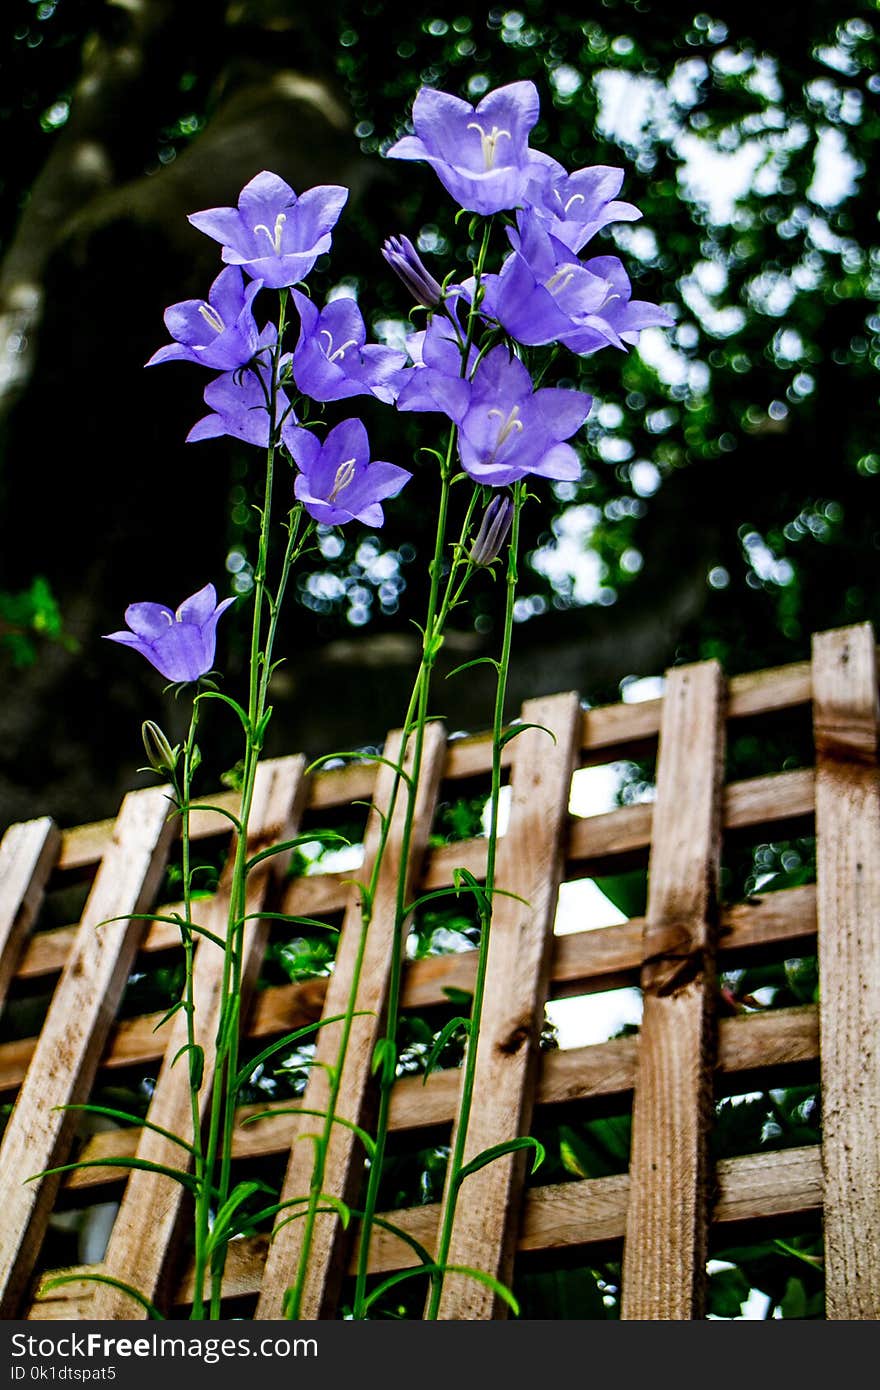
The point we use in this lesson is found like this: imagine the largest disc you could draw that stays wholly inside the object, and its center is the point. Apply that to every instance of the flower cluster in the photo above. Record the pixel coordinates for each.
(467, 363)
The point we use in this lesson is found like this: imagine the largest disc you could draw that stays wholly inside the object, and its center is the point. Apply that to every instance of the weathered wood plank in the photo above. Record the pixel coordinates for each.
(529, 865)
(27, 856)
(343, 1167)
(749, 1042)
(564, 1216)
(845, 713)
(66, 1057)
(144, 1232)
(668, 1214)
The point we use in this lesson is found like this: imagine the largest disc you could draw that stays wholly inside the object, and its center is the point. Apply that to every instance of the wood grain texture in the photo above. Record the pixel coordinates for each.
(845, 713)
(27, 856)
(559, 1217)
(529, 865)
(144, 1233)
(344, 1162)
(668, 1213)
(66, 1056)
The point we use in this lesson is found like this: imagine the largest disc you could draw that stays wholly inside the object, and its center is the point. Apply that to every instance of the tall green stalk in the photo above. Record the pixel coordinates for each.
(456, 1159)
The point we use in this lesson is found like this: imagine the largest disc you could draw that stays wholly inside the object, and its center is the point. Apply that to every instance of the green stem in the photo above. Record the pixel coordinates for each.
(456, 1160)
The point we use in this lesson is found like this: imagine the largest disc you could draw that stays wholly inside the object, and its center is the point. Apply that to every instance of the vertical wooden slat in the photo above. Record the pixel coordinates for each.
(143, 1235)
(668, 1213)
(27, 856)
(343, 1166)
(70, 1045)
(530, 865)
(845, 712)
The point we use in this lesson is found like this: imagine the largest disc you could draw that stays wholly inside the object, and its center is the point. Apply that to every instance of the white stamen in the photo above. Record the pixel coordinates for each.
(274, 237)
(489, 142)
(211, 317)
(558, 282)
(344, 475)
(340, 351)
(169, 619)
(575, 198)
(513, 422)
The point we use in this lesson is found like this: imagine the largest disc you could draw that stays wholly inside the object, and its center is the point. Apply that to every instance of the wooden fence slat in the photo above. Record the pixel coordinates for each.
(343, 1167)
(748, 1042)
(66, 1057)
(143, 1235)
(559, 1217)
(845, 712)
(27, 856)
(529, 865)
(668, 1215)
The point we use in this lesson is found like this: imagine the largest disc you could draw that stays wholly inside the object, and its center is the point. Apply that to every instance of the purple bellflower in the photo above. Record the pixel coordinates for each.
(510, 430)
(332, 360)
(494, 528)
(180, 645)
(574, 207)
(543, 292)
(220, 332)
(274, 235)
(337, 481)
(435, 382)
(239, 405)
(406, 262)
(620, 315)
(481, 156)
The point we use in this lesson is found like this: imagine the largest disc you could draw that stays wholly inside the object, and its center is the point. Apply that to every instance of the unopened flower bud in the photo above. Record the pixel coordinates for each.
(405, 261)
(161, 756)
(493, 530)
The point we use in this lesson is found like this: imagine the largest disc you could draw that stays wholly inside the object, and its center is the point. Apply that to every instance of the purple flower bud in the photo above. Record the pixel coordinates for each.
(493, 530)
(405, 261)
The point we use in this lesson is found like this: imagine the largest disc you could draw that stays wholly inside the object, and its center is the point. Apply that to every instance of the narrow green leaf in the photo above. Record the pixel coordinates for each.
(134, 1120)
(250, 1067)
(197, 1063)
(176, 1174)
(385, 1060)
(233, 705)
(218, 810)
(523, 1141)
(324, 836)
(500, 1289)
(291, 921)
(333, 1204)
(365, 1138)
(175, 1008)
(222, 1228)
(441, 1040)
(477, 661)
(373, 758)
(516, 729)
(58, 1279)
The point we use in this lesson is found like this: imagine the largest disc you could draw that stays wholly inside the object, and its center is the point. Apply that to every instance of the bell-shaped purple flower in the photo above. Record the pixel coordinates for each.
(406, 262)
(239, 404)
(574, 207)
(337, 482)
(543, 292)
(620, 315)
(332, 359)
(435, 380)
(180, 645)
(481, 156)
(510, 430)
(274, 235)
(220, 332)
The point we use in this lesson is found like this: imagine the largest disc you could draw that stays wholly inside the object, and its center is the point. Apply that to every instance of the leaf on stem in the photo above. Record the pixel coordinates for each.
(121, 1161)
(331, 837)
(58, 1279)
(516, 729)
(233, 705)
(500, 1289)
(197, 1063)
(385, 1060)
(442, 1039)
(130, 1119)
(523, 1141)
(250, 1067)
(365, 1138)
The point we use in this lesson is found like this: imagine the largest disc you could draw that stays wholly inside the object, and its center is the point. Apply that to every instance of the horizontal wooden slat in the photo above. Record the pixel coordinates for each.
(560, 1216)
(747, 1043)
(584, 962)
(605, 729)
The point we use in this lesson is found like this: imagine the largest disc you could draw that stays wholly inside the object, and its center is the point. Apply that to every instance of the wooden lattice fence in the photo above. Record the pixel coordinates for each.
(674, 1200)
